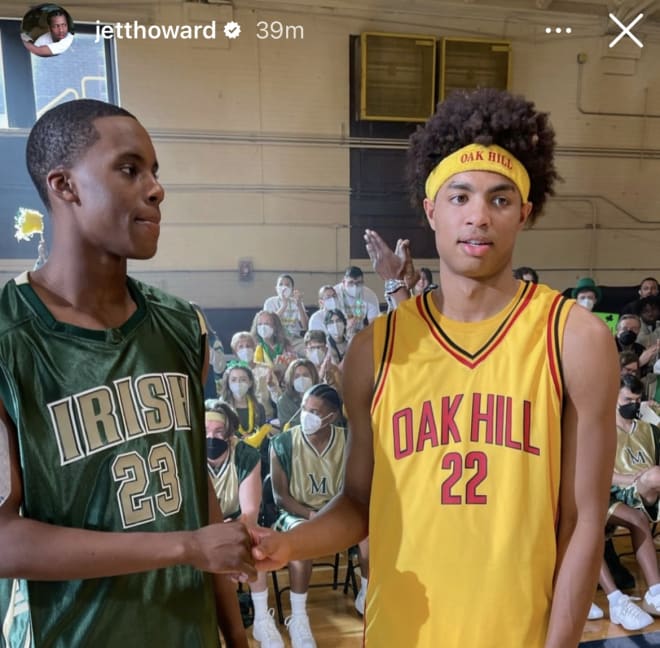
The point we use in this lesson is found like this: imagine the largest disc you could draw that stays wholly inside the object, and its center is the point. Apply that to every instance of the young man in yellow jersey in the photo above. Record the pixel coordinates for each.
(480, 454)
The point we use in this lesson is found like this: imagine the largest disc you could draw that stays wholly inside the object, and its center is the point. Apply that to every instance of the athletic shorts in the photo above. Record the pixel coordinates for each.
(628, 495)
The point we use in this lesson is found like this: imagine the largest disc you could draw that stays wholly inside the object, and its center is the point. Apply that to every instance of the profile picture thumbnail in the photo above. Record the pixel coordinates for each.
(47, 30)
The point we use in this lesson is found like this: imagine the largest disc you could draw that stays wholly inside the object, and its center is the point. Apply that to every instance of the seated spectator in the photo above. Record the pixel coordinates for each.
(526, 274)
(635, 491)
(288, 305)
(307, 471)
(647, 287)
(648, 309)
(238, 392)
(327, 302)
(234, 470)
(337, 338)
(629, 362)
(300, 375)
(317, 351)
(357, 301)
(586, 293)
(266, 382)
(273, 346)
(627, 330)
(425, 282)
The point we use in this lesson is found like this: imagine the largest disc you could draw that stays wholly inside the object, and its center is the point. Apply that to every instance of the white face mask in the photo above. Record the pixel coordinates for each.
(284, 291)
(329, 304)
(352, 290)
(310, 423)
(265, 331)
(239, 389)
(586, 302)
(302, 383)
(316, 356)
(335, 329)
(246, 354)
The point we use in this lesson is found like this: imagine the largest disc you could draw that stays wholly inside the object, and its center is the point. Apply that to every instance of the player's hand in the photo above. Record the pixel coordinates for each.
(270, 549)
(223, 548)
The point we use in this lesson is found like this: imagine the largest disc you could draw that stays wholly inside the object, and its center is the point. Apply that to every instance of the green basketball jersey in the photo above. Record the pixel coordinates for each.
(111, 438)
(314, 477)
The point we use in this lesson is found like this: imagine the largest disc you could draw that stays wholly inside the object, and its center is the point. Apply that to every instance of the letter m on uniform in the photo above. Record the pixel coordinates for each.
(318, 488)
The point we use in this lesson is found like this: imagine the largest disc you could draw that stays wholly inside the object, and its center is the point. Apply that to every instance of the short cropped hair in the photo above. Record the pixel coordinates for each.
(520, 272)
(62, 136)
(485, 116)
(633, 383)
(353, 272)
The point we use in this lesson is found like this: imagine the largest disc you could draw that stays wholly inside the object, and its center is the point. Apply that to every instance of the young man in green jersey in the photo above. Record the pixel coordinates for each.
(109, 531)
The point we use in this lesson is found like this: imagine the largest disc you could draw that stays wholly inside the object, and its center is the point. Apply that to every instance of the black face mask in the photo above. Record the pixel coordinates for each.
(629, 411)
(215, 447)
(627, 337)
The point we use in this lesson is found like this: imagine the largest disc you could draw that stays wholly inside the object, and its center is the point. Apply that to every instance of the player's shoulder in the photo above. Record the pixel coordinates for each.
(583, 327)
(14, 309)
(158, 298)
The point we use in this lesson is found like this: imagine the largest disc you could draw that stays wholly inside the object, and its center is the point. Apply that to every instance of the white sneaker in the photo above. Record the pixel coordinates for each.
(360, 600)
(265, 631)
(299, 631)
(651, 603)
(595, 613)
(629, 615)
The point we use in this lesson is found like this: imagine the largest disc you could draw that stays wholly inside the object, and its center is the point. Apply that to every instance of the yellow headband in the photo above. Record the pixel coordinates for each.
(215, 416)
(476, 157)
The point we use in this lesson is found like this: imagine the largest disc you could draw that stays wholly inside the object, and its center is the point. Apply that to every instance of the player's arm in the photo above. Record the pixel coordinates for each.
(345, 520)
(39, 50)
(591, 376)
(39, 551)
(226, 600)
(249, 496)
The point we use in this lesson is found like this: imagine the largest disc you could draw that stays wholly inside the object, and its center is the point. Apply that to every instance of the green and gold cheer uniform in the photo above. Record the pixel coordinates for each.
(466, 420)
(228, 476)
(314, 477)
(110, 428)
(636, 451)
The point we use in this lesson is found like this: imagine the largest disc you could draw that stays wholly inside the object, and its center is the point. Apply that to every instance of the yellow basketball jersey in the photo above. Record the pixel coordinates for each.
(467, 444)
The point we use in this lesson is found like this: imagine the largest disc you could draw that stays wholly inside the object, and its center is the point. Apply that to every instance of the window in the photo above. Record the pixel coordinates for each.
(80, 73)
(3, 99)
(30, 85)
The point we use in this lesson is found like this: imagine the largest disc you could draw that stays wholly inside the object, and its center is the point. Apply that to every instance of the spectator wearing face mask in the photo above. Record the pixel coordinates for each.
(634, 505)
(648, 309)
(288, 305)
(234, 471)
(266, 384)
(586, 293)
(327, 302)
(273, 346)
(317, 351)
(337, 328)
(238, 391)
(358, 301)
(648, 287)
(627, 330)
(307, 469)
(300, 375)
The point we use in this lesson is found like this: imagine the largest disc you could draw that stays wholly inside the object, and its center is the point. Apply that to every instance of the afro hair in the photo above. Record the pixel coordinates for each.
(486, 116)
